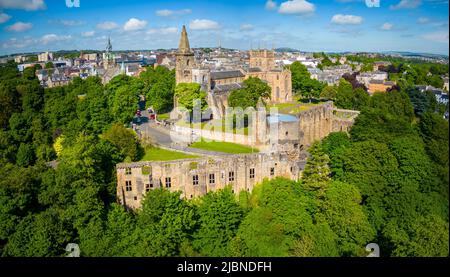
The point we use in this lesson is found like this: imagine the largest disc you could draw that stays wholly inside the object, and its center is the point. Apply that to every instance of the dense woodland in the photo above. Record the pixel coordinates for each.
(385, 182)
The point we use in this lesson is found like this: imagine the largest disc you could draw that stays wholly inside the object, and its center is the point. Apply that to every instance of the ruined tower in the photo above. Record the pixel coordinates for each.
(184, 60)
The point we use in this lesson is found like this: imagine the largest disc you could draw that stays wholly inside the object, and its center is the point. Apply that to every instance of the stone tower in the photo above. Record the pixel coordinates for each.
(108, 58)
(263, 59)
(185, 60)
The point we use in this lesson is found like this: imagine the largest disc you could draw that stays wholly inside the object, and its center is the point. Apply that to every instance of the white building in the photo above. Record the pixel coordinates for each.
(45, 57)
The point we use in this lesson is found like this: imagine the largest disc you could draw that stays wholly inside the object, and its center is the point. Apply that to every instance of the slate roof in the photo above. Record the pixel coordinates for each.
(217, 75)
(219, 89)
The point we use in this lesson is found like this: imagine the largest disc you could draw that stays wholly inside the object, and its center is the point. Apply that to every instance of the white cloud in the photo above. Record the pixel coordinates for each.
(88, 34)
(134, 24)
(51, 38)
(173, 12)
(406, 4)
(163, 31)
(299, 7)
(29, 5)
(4, 17)
(387, 26)
(71, 23)
(14, 43)
(423, 20)
(346, 19)
(441, 37)
(203, 24)
(19, 27)
(246, 27)
(107, 25)
(271, 5)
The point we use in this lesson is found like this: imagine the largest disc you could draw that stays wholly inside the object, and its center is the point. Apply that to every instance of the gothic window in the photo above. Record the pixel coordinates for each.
(252, 173)
(272, 171)
(231, 176)
(128, 186)
(127, 171)
(195, 180)
(212, 179)
(187, 62)
(168, 182)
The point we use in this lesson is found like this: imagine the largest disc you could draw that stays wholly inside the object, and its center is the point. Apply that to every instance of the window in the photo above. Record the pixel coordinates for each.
(252, 173)
(147, 187)
(127, 171)
(212, 179)
(135, 198)
(272, 171)
(168, 182)
(231, 176)
(195, 180)
(128, 186)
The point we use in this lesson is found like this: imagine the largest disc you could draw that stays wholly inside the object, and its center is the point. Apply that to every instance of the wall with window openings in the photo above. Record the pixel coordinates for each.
(196, 177)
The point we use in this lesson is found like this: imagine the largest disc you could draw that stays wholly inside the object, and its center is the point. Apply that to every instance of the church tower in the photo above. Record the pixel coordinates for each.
(108, 57)
(184, 60)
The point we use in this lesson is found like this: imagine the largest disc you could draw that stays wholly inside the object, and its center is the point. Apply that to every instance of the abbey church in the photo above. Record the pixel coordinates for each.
(219, 84)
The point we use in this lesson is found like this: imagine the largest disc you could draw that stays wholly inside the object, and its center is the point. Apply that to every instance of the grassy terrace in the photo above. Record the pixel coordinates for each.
(225, 147)
(158, 154)
(293, 108)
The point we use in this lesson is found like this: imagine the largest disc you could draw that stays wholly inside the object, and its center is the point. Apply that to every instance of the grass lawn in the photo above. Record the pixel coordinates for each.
(164, 116)
(293, 107)
(225, 147)
(158, 154)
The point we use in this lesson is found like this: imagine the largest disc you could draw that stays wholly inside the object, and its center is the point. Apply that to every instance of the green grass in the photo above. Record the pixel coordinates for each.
(225, 147)
(158, 154)
(293, 107)
(164, 116)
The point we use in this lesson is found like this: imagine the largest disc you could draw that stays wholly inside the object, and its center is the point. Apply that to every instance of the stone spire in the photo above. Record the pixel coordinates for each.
(184, 42)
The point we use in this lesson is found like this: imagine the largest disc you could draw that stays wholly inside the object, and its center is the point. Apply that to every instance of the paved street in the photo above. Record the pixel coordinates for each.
(160, 136)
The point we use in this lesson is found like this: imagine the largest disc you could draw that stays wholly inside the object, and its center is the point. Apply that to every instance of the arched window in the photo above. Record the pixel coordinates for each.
(187, 62)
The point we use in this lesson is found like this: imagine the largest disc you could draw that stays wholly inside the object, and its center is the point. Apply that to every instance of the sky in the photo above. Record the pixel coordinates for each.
(307, 25)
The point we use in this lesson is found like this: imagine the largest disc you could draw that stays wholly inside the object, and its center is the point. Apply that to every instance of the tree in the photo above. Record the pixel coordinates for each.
(125, 140)
(317, 171)
(329, 92)
(49, 65)
(253, 90)
(163, 224)
(186, 94)
(125, 104)
(342, 210)
(25, 155)
(219, 218)
(344, 95)
(302, 82)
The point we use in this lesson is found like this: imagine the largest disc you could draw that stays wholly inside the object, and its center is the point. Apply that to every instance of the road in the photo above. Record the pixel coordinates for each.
(160, 136)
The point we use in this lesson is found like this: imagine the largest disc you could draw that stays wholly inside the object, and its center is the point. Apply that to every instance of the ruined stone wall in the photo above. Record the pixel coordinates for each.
(316, 123)
(196, 177)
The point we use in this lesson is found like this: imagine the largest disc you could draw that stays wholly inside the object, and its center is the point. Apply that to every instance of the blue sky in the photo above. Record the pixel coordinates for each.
(307, 25)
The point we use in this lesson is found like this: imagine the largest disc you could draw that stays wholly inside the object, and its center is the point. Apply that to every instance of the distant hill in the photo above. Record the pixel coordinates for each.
(286, 49)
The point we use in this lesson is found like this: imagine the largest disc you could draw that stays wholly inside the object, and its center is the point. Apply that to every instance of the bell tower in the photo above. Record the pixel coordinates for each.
(184, 60)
